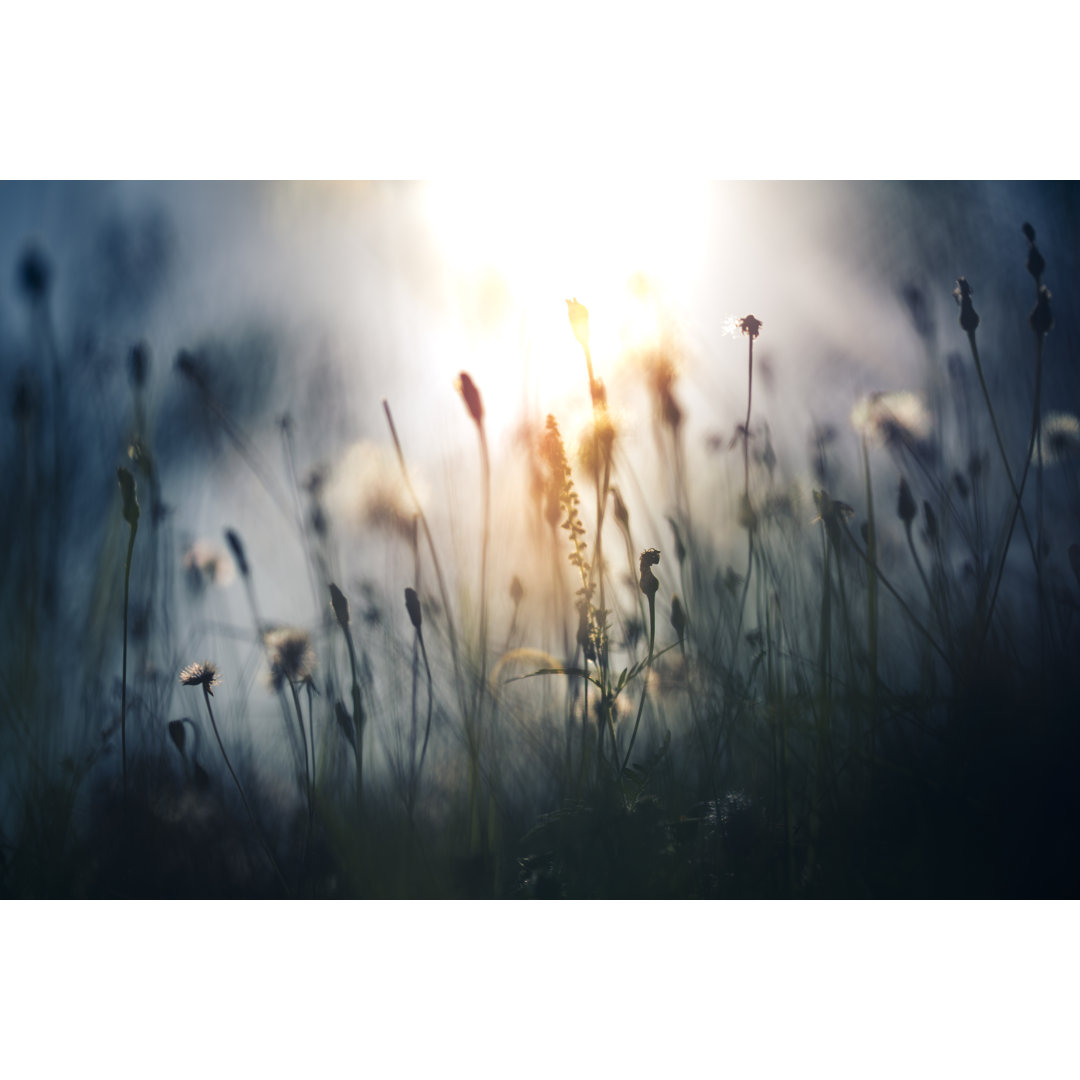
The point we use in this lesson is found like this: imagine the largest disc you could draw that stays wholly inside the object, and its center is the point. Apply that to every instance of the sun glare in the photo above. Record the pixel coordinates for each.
(621, 248)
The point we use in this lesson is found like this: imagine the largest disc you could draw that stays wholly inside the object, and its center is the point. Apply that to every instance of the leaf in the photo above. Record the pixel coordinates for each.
(578, 672)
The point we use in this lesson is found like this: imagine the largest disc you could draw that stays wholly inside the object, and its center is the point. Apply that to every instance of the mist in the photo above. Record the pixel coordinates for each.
(238, 349)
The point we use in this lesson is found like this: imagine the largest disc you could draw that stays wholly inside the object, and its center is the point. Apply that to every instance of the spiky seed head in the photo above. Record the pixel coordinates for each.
(127, 492)
(205, 675)
(291, 657)
(1041, 319)
(579, 321)
(412, 606)
(471, 396)
(237, 549)
(340, 604)
(906, 508)
(750, 326)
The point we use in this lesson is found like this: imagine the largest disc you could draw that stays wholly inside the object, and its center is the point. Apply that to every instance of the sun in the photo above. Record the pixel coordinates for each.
(514, 252)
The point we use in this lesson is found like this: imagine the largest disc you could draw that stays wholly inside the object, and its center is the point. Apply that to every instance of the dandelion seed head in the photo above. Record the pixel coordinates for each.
(208, 564)
(291, 656)
(203, 674)
(892, 418)
(1060, 436)
(365, 491)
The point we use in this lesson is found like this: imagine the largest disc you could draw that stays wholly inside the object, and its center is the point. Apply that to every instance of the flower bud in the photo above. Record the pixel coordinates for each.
(969, 319)
(340, 605)
(678, 617)
(579, 321)
(412, 606)
(471, 396)
(139, 364)
(238, 551)
(1041, 319)
(127, 491)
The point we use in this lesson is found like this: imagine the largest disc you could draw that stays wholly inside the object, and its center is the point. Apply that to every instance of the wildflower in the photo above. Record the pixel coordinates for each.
(471, 396)
(365, 491)
(1041, 319)
(291, 657)
(648, 583)
(891, 418)
(905, 507)
(750, 326)
(1059, 434)
(205, 675)
(206, 563)
(579, 321)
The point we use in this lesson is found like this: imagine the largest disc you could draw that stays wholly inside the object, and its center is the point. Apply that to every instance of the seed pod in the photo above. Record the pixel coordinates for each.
(931, 521)
(238, 551)
(905, 506)
(471, 396)
(678, 618)
(412, 606)
(139, 364)
(127, 491)
(340, 605)
(969, 319)
(1041, 319)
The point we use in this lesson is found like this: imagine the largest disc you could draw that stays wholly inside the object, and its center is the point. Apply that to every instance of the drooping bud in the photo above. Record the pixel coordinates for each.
(412, 606)
(177, 734)
(127, 491)
(340, 605)
(622, 515)
(471, 396)
(905, 507)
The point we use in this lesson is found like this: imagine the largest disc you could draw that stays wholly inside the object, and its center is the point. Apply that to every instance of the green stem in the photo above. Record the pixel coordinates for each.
(123, 676)
(243, 797)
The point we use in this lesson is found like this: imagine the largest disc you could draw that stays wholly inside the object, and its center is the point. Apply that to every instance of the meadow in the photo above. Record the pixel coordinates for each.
(599, 654)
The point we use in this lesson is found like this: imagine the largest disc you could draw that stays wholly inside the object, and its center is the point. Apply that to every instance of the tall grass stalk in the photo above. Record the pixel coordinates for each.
(131, 516)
